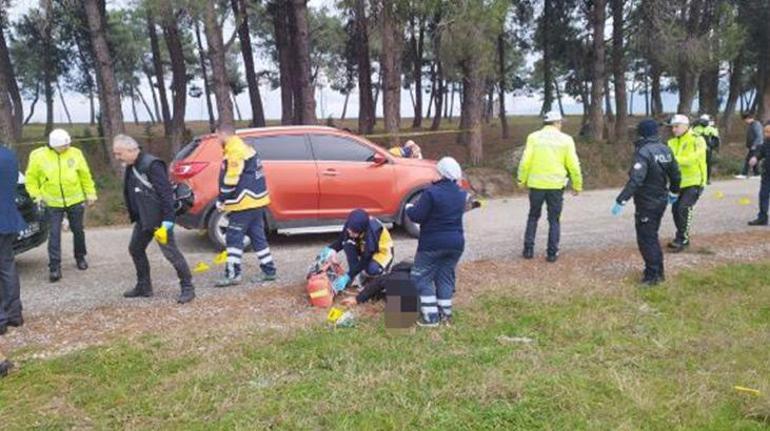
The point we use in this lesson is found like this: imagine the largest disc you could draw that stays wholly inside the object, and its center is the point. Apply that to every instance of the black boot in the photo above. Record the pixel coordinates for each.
(187, 295)
(5, 366)
(82, 264)
(54, 275)
(759, 221)
(138, 292)
(528, 253)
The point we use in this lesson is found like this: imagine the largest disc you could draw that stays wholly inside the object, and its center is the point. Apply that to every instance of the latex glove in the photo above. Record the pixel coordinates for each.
(326, 254)
(672, 198)
(341, 283)
(90, 201)
(168, 225)
(617, 209)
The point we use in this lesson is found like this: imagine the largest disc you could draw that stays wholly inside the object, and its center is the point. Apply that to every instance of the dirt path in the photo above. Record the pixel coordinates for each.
(86, 307)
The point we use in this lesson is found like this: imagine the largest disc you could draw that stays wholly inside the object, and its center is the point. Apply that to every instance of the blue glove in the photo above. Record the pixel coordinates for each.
(325, 254)
(672, 198)
(341, 283)
(617, 209)
(169, 225)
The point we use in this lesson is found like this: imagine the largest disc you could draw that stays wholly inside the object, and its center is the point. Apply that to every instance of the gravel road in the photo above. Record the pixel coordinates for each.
(493, 232)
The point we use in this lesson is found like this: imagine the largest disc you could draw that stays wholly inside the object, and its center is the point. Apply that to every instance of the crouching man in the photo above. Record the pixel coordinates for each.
(150, 201)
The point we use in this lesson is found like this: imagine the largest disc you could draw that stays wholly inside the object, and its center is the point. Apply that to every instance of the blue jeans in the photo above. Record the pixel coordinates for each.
(251, 223)
(434, 274)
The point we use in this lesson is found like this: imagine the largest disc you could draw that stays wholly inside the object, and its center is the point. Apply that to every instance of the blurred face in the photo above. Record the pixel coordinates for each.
(62, 149)
(748, 120)
(125, 155)
(353, 234)
(679, 129)
(767, 132)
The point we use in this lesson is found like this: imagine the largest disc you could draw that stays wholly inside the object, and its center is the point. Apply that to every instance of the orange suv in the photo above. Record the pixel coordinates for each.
(315, 175)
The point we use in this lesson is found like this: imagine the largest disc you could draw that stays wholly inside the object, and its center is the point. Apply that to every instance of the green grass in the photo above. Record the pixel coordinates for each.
(664, 359)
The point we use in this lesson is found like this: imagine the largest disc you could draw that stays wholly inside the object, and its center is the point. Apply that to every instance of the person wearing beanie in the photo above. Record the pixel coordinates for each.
(59, 179)
(410, 150)
(653, 177)
(439, 211)
(549, 160)
(690, 153)
(368, 247)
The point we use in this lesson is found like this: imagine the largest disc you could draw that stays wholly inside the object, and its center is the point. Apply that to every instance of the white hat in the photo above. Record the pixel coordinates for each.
(679, 119)
(59, 138)
(552, 117)
(705, 117)
(449, 168)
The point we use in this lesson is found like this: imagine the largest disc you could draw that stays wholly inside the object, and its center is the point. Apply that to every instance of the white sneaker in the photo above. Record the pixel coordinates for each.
(741, 177)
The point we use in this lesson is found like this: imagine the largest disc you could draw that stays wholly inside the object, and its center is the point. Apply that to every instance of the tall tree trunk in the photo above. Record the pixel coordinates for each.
(686, 79)
(257, 111)
(596, 117)
(452, 102)
(280, 13)
(764, 114)
(154, 96)
(345, 106)
(49, 68)
(366, 105)
(91, 107)
(157, 63)
(391, 73)
(34, 102)
(473, 105)
(656, 98)
(172, 36)
(133, 105)
(439, 99)
(418, 46)
(138, 92)
(216, 56)
(501, 85)
(237, 108)
(558, 97)
(110, 106)
(304, 80)
(736, 72)
(63, 103)
(11, 108)
(205, 76)
(547, 63)
(619, 70)
(708, 91)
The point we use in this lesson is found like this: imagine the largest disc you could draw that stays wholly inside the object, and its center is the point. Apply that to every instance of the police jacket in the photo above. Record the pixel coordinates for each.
(654, 173)
(60, 180)
(148, 193)
(690, 153)
(549, 159)
(763, 153)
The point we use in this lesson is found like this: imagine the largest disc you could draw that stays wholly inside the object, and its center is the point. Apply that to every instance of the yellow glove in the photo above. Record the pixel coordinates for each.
(161, 235)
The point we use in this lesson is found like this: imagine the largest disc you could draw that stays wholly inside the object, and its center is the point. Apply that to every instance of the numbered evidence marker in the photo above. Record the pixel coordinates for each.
(201, 267)
(744, 201)
(221, 258)
(719, 195)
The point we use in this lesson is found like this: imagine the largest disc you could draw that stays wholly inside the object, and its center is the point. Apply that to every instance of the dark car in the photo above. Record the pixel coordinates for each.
(36, 232)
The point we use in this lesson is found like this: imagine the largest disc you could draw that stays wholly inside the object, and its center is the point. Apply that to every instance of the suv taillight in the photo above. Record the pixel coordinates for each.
(187, 170)
(465, 184)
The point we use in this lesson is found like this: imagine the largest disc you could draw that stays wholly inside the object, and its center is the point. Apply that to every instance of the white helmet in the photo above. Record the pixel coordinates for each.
(59, 138)
(705, 117)
(552, 117)
(679, 119)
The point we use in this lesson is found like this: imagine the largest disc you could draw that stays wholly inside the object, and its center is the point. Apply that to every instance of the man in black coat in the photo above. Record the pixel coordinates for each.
(653, 182)
(762, 153)
(11, 223)
(150, 201)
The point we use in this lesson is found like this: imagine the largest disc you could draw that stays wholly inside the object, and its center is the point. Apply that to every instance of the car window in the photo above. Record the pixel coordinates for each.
(329, 147)
(280, 147)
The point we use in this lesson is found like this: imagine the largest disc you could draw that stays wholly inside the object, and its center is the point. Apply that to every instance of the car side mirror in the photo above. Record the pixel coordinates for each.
(379, 160)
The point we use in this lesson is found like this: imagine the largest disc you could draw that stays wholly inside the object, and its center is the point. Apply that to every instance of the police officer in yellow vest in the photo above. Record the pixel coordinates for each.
(690, 152)
(58, 177)
(705, 129)
(549, 159)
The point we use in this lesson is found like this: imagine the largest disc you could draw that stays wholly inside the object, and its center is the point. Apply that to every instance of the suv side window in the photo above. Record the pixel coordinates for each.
(280, 147)
(336, 148)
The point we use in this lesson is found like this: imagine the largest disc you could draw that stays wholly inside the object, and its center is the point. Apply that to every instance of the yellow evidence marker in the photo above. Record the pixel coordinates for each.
(201, 267)
(334, 315)
(221, 258)
(744, 201)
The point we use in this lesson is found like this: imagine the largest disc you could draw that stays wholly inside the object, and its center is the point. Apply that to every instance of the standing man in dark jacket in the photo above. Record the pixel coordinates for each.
(653, 181)
(11, 223)
(440, 212)
(753, 142)
(762, 153)
(150, 202)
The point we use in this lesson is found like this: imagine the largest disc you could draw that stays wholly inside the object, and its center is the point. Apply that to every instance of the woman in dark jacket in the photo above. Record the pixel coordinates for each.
(439, 211)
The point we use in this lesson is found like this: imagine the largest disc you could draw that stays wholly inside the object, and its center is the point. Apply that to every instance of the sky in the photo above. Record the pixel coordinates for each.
(328, 102)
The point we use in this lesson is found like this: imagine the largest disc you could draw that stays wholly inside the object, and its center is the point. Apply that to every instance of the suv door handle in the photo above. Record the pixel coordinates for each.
(330, 173)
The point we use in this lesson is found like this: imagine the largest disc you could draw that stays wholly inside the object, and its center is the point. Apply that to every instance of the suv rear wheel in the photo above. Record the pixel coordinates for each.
(217, 229)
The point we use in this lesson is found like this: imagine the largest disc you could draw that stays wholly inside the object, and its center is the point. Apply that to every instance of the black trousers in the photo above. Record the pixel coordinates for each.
(140, 240)
(710, 162)
(554, 200)
(647, 227)
(682, 211)
(75, 215)
(745, 171)
(10, 299)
